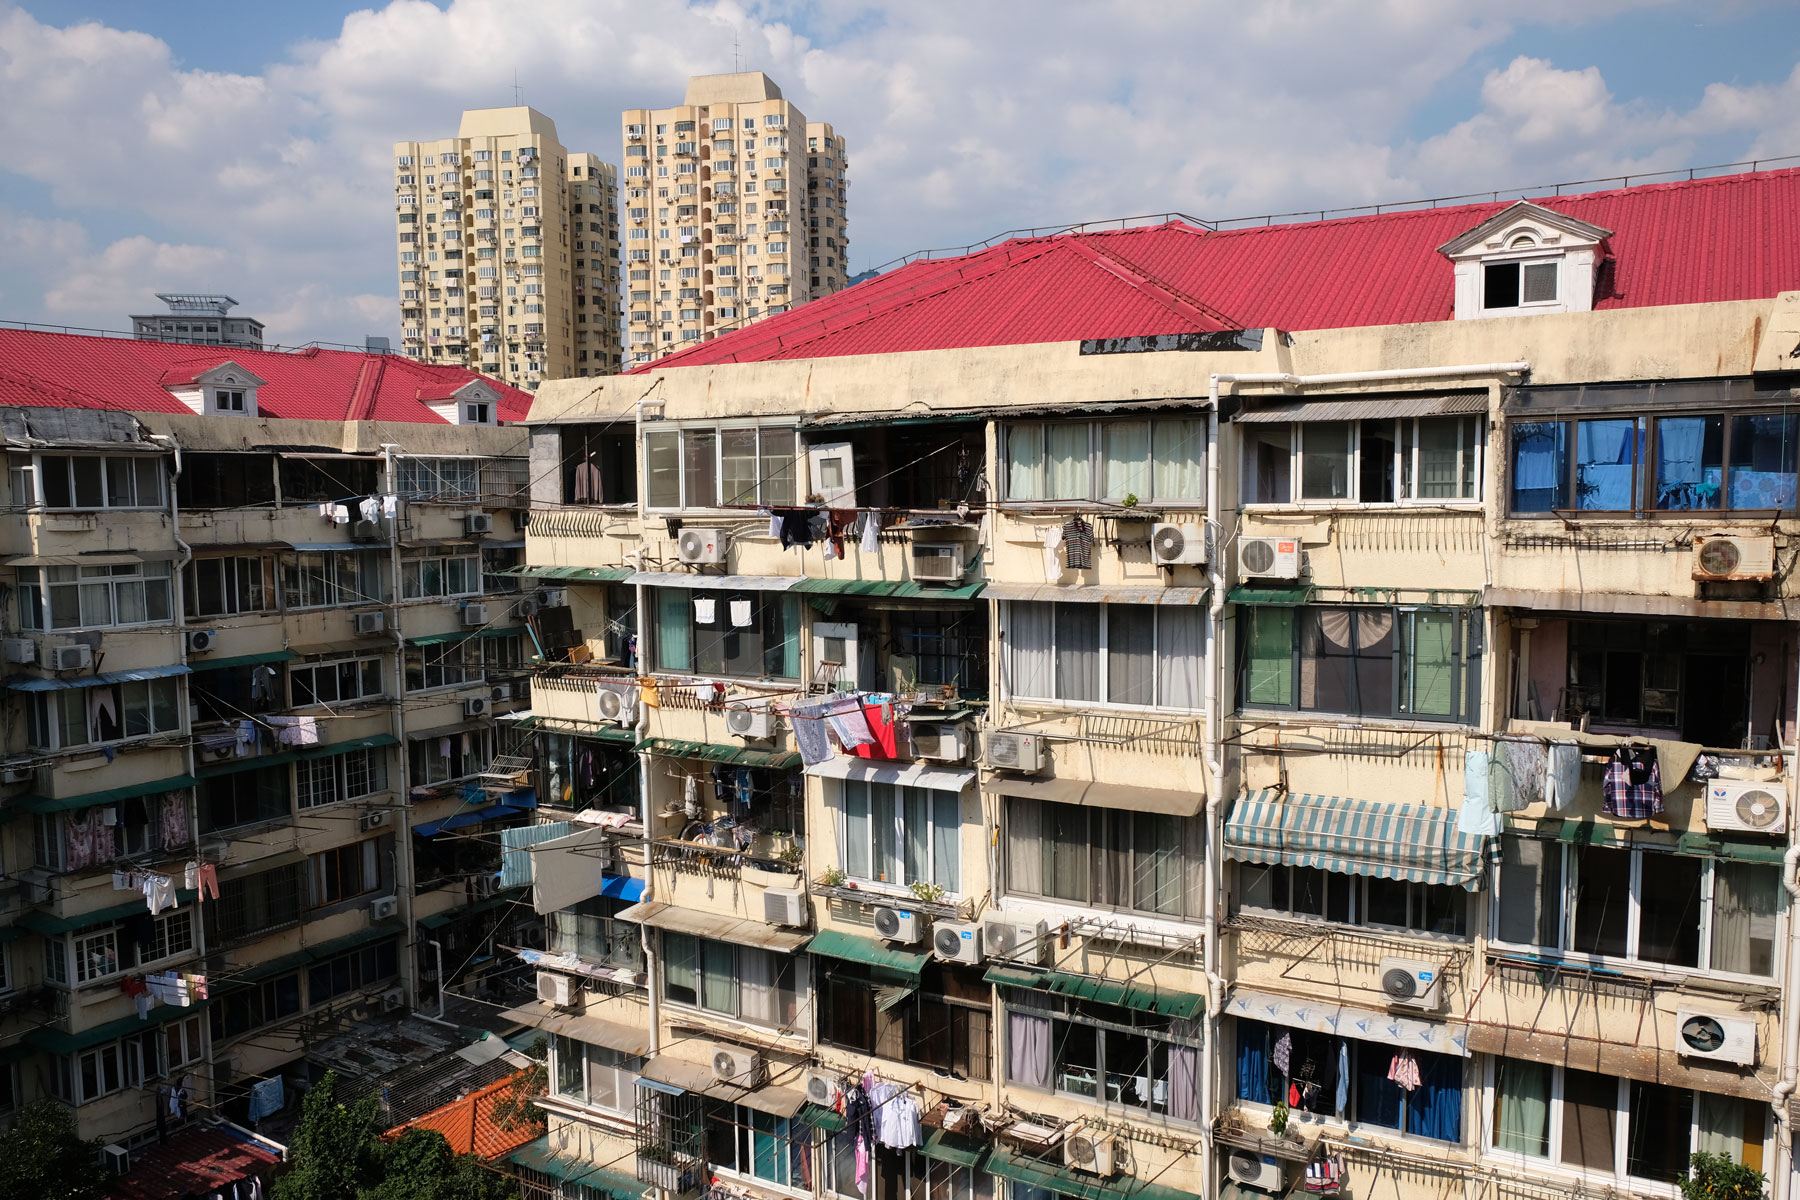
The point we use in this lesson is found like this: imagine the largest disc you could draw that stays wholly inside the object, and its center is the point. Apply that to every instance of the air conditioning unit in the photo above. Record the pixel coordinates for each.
(1720, 558)
(937, 564)
(738, 1067)
(370, 622)
(898, 925)
(823, 1089)
(553, 597)
(500, 691)
(1023, 752)
(784, 906)
(476, 706)
(700, 546)
(1255, 1171)
(366, 531)
(749, 721)
(18, 650)
(955, 941)
(1716, 1036)
(525, 609)
(474, 614)
(15, 773)
(373, 819)
(1177, 545)
(393, 999)
(1269, 558)
(616, 707)
(1092, 1153)
(942, 743)
(199, 641)
(556, 989)
(478, 523)
(115, 1158)
(1749, 806)
(217, 753)
(68, 657)
(1411, 983)
(1021, 941)
(383, 907)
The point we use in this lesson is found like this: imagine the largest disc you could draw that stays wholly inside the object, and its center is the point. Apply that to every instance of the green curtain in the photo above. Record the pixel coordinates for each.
(674, 632)
(1522, 1108)
(1270, 672)
(1431, 664)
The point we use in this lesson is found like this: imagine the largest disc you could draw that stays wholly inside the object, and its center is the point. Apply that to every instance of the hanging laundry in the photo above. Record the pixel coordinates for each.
(587, 483)
(774, 522)
(1525, 762)
(724, 782)
(368, 508)
(705, 609)
(340, 514)
(871, 532)
(190, 878)
(796, 526)
(740, 614)
(1282, 1052)
(690, 797)
(262, 684)
(159, 893)
(245, 736)
(848, 723)
(807, 722)
(1053, 567)
(1078, 544)
(124, 881)
(296, 731)
(1632, 789)
(1343, 1077)
(103, 706)
(1562, 776)
(390, 506)
(208, 881)
(883, 740)
(840, 519)
(1404, 1070)
(267, 1097)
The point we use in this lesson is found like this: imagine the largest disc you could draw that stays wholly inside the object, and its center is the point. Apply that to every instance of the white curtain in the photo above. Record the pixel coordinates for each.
(756, 986)
(1031, 649)
(1179, 467)
(1071, 462)
(1078, 652)
(1028, 1049)
(1745, 898)
(1025, 462)
(1024, 847)
(1130, 654)
(1125, 461)
(1180, 637)
(1722, 1126)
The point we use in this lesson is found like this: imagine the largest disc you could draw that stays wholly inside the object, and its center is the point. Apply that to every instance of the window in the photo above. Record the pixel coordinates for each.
(899, 1175)
(110, 713)
(243, 798)
(1519, 284)
(1419, 663)
(742, 1141)
(95, 597)
(1413, 460)
(478, 414)
(598, 465)
(1639, 906)
(596, 1076)
(248, 1009)
(699, 631)
(703, 467)
(1113, 1056)
(252, 905)
(229, 400)
(1105, 857)
(351, 972)
(96, 955)
(1699, 462)
(1434, 1109)
(758, 986)
(436, 760)
(946, 1024)
(321, 781)
(440, 575)
(309, 481)
(225, 587)
(344, 872)
(591, 931)
(1310, 893)
(92, 481)
(1569, 1117)
(1117, 654)
(447, 664)
(901, 836)
(334, 680)
(325, 578)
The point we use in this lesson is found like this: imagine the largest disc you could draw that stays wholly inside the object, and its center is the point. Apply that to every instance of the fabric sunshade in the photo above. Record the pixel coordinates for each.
(710, 752)
(1039, 1173)
(1142, 997)
(1096, 595)
(923, 775)
(438, 639)
(892, 589)
(1364, 408)
(1165, 801)
(19, 683)
(869, 952)
(1365, 1025)
(740, 932)
(595, 1031)
(1413, 842)
(566, 870)
(729, 583)
(1249, 594)
(52, 804)
(539, 1157)
(698, 1077)
(465, 818)
(820, 1117)
(952, 1148)
(242, 660)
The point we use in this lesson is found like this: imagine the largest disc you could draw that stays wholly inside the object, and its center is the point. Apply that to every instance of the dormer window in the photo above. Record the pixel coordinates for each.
(1520, 284)
(477, 414)
(231, 401)
(1526, 259)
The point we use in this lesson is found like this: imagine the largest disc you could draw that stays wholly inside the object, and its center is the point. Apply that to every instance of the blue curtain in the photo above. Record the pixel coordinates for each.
(1434, 1109)
(1377, 1097)
(1253, 1062)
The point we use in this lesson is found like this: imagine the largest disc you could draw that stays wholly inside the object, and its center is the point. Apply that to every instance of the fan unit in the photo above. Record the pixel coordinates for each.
(823, 1089)
(1177, 545)
(116, 1158)
(1729, 1039)
(1018, 940)
(478, 523)
(525, 609)
(474, 614)
(943, 743)
(737, 1066)
(1093, 1153)
(1410, 983)
(366, 531)
(898, 925)
(15, 773)
(937, 564)
(954, 941)
(374, 819)
(1269, 558)
(383, 907)
(68, 657)
(1255, 1171)
(1718, 558)
(616, 705)
(476, 706)
(217, 753)
(553, 597)
(370, 622)
(700, 546)
(500, 691)
(199, 641)
(1746, 805)
(556, 989)
(1022, 752)
(18, 650)
(393, 999)
(784, 906)
(746, 721)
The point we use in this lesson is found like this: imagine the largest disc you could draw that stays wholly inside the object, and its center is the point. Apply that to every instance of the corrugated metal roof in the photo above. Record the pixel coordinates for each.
(1114, 594)
(1357, 408)
(733, 583)
(694, 923)
(20, 683)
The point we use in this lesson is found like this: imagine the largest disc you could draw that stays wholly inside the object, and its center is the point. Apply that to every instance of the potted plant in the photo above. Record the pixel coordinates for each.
(1278, 1120)
(792, 855)
(927, 893)
(1716, 1177)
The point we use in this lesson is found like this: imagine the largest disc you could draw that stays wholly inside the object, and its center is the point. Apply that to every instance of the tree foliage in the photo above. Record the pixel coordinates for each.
(513, 1109)
(42, 1158)
(1716, 1177)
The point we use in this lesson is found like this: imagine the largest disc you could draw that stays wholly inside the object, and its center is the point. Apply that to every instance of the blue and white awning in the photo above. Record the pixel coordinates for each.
(1415, 842)
(1409, 1033)
(21, 683)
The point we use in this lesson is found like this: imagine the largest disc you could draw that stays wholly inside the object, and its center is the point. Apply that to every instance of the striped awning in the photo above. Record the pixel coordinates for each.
(1413, 842)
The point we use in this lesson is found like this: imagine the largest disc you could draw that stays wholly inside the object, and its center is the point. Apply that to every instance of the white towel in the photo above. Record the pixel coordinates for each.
(369, 507)
(390, 506)
(1052, 554)
(871, 537)
(704, 610)
(740, 613)
(340, 514)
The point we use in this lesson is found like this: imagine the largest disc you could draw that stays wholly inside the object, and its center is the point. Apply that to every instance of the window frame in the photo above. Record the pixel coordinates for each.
(1104, 613)
(654, 498)
(39, 596)
(1191, 857)
(1069, 1012)
(790, 979)
(361, 665)
(39, 465)
(1096, 490)
(1354, 902)
(50, 722)
(872, 880)
(1526, 258)
(413, 568)
(1405, 463)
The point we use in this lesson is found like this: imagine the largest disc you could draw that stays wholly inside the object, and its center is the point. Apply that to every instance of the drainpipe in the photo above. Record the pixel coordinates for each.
(645, 810)
(403, 858)
(438, 951)
(1790, 1020)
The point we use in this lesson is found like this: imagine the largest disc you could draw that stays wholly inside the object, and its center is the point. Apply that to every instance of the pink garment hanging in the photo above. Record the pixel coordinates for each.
(1404, 1070)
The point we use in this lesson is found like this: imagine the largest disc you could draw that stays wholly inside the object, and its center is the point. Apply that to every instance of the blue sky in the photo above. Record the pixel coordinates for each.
(243, 148)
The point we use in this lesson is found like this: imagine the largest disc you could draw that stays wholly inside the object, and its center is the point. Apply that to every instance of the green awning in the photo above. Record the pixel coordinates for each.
(438, 639)
(820, 1117)
(953, 1148)
(1143, 997)
(1717, 847)
(897, 589)
(1035, 1172)
(538, 1156)
(232, 766)
(1587, 833)
(51, 926)
(497, 900)
(709, 752)
(1250, 594)
(58, 1041)
(595, 730)
(242, 660)
(870, 953)
(571, 574)
(1414, 843)
(53, 804)
(308, 955)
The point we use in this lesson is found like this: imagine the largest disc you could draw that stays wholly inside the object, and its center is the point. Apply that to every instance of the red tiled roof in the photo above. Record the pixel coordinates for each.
(468, 1123)
(70, 370)
(196, 1162)
(1732, 237)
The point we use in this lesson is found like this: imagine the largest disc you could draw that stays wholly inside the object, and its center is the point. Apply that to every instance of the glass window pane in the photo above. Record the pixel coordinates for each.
(1025, 462)
(946, 841)
(1130, 654)
(885, 819)
(1178, 469)
(1071, 464)
(1606, 459)
(1690, 455)
(1589, 1104)
(738, 465)
(1746, 901)
(1325, 461)
(1765, 460)
(88, 492)
(1440, 476)
(1268, 466)
(1375, 463)
(1522, 1107)
(1429, 664)
(674, 634)
(1078, 651)
(1180, 634)
(681, 968)
(1530, 907)
(718, 976)
(916, 835)
(1125, 459)
(1602, 900)
(1540, 480)
(779, 457)
(856, 828)
(662, 470)
(1669, 925)
(1269, 660)
(1660, 1127)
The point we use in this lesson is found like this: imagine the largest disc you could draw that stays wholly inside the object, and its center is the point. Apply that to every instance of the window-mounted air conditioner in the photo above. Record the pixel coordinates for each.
(1091, 1153)
(823, 1088)
(1022, 752)
(1748, 806)
(199, 641)
(1723, 1038)
(559, 990)
(476, 706)
(373, 819)
(18, 650)
(383, 907)
(898, 925)
(370, 623)
(937, 564)
(474, 614)
(749, 720)
(1174, 545)
(784, 906)
(1269, 558)
(1718, 558)
(700, 547)
(1411, 983)
(1020, 941)
(478, 523)
(956, 941)
(738, 1067)
(1255, 1171)
(940, 742)
(70, 656)
(553, 597)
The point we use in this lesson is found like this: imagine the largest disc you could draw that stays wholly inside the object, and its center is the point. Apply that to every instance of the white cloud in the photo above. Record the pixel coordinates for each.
(963, 120)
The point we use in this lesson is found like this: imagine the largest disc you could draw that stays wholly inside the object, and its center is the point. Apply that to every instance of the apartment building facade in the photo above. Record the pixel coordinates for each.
(718, 233)
(1285, 732)
(259, 631)
(507, 251)
(202, 319)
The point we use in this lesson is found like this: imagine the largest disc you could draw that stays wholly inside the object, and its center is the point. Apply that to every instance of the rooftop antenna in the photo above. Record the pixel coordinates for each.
(518, 92)
(737, 63)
